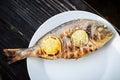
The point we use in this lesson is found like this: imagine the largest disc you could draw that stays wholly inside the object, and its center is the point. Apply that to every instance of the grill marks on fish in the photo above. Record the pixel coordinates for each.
(70, 51)
(96, 32)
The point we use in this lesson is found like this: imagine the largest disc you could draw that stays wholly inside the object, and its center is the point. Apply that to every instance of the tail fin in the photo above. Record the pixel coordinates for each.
(16, 54)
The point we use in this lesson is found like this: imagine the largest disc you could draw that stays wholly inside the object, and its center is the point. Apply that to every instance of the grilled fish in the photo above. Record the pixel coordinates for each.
(70, 40)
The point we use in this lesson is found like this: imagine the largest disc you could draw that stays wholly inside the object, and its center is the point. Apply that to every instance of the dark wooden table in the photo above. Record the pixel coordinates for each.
(19, 19)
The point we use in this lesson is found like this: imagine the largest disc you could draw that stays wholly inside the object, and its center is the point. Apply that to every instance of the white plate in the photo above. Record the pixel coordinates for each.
(103, 64)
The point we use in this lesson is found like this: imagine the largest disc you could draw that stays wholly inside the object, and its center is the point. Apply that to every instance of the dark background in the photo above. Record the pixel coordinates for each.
(110, 9)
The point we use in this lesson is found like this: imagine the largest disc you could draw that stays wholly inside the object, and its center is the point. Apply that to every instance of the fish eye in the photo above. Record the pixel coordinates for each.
(51, 45)
(100, 29)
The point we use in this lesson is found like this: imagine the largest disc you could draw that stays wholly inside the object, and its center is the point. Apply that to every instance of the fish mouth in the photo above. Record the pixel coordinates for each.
(109, 32)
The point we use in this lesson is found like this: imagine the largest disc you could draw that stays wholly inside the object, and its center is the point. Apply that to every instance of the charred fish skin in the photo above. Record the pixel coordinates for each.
(70, 40)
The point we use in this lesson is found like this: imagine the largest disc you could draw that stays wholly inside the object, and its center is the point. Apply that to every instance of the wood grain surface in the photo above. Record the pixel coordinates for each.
(19, 19)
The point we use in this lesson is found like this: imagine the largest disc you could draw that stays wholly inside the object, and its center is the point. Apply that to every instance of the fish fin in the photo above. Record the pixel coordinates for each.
(16, 54)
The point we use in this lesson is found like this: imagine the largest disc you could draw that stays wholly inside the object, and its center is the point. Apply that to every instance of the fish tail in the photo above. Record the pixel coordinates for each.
(16, 54)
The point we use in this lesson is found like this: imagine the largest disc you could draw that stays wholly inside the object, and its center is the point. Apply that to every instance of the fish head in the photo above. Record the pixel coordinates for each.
(104, 32)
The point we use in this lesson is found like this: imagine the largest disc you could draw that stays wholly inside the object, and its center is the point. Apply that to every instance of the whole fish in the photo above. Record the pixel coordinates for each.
(70, 40)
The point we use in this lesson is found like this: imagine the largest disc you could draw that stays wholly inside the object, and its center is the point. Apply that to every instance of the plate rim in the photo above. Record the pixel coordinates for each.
(66, 12)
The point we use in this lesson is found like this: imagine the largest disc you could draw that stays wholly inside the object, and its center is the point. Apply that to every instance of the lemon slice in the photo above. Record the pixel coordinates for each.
(79, 38)
(51, 45)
